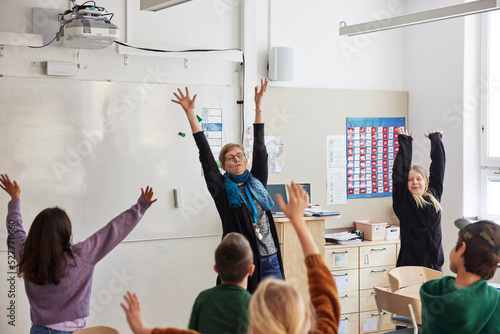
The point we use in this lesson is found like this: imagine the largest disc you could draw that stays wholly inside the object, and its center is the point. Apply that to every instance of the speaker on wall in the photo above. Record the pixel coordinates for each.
(281, 63)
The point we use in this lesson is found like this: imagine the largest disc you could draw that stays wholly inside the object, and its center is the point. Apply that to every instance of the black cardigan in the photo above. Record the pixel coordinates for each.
(420, 227)
(239, 219)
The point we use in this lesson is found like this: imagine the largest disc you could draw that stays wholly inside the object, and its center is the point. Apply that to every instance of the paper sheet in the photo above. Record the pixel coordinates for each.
(343, 329)
(336, 170)
(276, 153)
(212, 127)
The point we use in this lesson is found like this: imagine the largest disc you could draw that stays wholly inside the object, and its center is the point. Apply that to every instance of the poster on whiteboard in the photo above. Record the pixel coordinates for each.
(372, 144)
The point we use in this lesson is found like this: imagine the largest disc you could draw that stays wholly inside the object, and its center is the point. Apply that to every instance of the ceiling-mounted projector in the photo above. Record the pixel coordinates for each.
(86, 27)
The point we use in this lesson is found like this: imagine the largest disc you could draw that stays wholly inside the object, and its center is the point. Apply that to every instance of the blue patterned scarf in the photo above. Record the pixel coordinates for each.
(261, 195)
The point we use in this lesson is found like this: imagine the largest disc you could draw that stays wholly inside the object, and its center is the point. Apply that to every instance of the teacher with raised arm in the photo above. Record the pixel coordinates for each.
(240, 194)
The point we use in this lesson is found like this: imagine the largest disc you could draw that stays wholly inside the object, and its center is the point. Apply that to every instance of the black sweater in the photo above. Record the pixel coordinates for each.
(239, 219)
(420, 227)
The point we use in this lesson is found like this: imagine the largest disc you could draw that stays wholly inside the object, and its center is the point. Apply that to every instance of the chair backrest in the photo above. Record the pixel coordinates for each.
(97, 330)
(401, 277)
(399, 304)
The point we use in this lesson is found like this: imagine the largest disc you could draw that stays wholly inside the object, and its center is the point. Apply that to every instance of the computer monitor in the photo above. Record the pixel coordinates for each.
(274, 189)
(307, 189)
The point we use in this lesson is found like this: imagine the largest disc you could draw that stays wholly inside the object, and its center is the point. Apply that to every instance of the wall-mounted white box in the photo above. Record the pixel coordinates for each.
(61, 69)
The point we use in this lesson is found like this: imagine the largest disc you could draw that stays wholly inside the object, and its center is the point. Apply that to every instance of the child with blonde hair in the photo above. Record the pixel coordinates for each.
(416, 198)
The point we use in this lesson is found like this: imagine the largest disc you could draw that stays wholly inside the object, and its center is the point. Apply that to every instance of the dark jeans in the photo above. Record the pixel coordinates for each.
(45, 330)
(270, 267)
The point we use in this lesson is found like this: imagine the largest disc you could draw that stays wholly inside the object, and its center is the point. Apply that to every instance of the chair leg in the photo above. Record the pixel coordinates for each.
(380, 316)
(413, 320)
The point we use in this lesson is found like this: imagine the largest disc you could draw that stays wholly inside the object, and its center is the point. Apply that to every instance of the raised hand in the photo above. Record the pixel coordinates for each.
(188, 105)
(148, 194)
(11, 187)
(432, 131)
(294, 210)
(297, 202)
(259, 94)
(184, 100)
(134, 314)
(400, 131)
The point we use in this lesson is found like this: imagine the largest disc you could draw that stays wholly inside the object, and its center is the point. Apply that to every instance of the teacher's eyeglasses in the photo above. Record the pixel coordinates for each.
(230, 157)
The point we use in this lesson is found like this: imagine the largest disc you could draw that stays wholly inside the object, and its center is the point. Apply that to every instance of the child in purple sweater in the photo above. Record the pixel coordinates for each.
(57, 274)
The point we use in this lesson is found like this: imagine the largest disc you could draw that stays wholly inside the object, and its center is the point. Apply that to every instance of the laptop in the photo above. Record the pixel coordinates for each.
(274, 189)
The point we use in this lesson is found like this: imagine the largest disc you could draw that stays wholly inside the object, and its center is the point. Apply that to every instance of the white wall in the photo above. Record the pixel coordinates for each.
(197, 24)
(441, 76)
(322, 57)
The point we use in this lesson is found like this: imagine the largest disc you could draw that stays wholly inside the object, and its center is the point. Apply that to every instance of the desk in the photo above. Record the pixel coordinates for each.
(412, 291)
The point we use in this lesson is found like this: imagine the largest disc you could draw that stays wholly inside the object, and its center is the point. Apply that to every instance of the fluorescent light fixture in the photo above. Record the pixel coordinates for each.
(156, 5)
(438, 14)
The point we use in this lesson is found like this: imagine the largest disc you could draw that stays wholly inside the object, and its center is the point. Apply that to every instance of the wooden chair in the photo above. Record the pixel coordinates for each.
(97, 330)
(411, 275)
(400, 306)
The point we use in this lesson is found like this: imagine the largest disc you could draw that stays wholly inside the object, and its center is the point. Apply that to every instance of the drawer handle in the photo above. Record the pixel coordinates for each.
(378, 250)
(346, 274)
(376, 315)
(346, 318)
(378, 271)
(345, 296)
(372, 293)
(345, 252)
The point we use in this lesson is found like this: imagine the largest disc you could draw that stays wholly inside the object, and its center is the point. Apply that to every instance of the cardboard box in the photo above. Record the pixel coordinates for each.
(373, 230)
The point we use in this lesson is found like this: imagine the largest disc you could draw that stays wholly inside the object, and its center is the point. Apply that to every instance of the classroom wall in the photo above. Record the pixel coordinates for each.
(324, 59)
(441, 74)
(304, 117)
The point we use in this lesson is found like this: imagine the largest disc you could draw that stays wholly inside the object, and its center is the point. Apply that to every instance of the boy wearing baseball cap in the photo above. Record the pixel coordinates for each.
(466, 303)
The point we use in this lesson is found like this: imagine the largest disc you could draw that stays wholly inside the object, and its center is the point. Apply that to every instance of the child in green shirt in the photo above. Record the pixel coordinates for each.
(466, 304)
(223, 308)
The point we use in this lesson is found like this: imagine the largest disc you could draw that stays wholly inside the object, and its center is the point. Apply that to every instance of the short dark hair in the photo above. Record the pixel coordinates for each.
(478, 258)
(233, 258)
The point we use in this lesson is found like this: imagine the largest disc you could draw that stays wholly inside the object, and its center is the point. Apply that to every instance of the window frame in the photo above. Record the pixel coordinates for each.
(486, 162)
(490, 166)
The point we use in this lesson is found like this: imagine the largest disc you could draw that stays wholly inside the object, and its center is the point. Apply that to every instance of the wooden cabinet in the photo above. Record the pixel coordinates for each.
(357, 269)
(291, 250)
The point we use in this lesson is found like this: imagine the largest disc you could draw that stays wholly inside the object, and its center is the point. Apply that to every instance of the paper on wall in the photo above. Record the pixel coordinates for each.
(336, 173)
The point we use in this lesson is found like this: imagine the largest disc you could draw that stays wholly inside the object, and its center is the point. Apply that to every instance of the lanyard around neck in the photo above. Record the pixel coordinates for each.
(252, 205)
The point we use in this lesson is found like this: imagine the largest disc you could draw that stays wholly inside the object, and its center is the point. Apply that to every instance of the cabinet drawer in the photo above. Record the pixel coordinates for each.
(349, 323)
(376, 276)
(348, 302)
(368, 322)
(367, 300)
(341, 258)
(373, 256)
(346, 280)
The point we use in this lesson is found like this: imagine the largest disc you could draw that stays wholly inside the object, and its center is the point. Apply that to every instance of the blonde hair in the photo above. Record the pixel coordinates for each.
(277, 308)
(421, 201)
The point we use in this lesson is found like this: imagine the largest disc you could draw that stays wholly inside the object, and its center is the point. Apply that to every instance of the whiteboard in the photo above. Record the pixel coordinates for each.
(88, 147)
